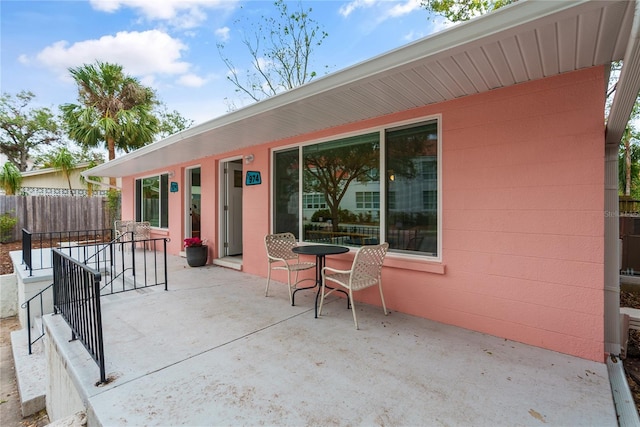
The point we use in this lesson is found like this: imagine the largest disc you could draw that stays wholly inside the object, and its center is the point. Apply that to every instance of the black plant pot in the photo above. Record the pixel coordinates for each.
(197, 255)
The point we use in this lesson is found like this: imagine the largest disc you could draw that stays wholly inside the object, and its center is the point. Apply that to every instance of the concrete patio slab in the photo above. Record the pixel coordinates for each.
(212, 350)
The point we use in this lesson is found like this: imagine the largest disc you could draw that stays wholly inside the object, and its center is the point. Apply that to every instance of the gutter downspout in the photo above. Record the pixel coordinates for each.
(624, 99)
(100, 183)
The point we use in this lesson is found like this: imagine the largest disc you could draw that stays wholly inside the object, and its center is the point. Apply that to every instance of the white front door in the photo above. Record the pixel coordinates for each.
(233, 208)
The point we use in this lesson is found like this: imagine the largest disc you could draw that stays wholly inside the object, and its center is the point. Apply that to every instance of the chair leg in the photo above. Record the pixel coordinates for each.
(289, 286)
(321, 298)
(266, 291)
(384, 307)
(353, 308)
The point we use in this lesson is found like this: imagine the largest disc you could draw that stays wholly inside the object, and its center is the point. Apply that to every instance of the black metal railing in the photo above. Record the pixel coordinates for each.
(76, 296)
(124, 267)
(84, 273)
(350, 235)
(421, 239)
(27, 305)
(39, 244)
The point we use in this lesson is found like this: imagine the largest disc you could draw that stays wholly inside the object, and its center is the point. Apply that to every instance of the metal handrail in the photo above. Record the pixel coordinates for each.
(76, 296)
(52, 239)
(27, 305)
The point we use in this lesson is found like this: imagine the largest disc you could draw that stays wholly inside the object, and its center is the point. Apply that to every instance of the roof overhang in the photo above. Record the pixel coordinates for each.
(525, 41)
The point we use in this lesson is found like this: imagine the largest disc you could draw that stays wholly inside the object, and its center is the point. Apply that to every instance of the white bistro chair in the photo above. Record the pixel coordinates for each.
(281, 257)
(365, 272)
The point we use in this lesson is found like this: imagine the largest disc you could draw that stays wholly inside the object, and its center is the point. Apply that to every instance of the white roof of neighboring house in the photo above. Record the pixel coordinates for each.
(522, 42)
(45, 171)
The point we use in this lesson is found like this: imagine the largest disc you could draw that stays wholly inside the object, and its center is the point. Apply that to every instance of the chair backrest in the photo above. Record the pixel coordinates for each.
(141, 230)
(122, 227)
(280, 245)
(367, 264)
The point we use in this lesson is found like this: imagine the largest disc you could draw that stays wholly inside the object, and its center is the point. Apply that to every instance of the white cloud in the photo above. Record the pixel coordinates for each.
(191, 80)
(381, 10)
(222, 33)
(142, 54)
(24, 59)
(347, 9)
(404, 8)
(178, 13)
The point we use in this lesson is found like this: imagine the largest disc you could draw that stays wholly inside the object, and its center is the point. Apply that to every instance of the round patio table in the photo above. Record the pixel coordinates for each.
(320, 252)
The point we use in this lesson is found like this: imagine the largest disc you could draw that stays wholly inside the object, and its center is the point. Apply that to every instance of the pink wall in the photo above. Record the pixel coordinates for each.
(523, 225)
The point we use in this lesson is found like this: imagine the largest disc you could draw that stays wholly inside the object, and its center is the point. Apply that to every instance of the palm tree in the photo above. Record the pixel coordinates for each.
(64, 161)
(115, 110)
(90, 186)
(10, 179)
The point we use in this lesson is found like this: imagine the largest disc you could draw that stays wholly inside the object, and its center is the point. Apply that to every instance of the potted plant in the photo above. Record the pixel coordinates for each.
(196, 251)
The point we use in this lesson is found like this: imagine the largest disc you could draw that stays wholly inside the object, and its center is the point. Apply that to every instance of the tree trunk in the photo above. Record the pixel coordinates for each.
(111, 147)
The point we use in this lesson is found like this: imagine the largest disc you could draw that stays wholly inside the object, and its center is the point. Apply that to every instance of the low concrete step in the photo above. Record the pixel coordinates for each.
(78, 419)
(31, 370)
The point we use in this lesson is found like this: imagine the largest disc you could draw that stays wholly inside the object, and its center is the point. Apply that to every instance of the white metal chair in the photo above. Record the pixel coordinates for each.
(365, 272)
(141, 231)
(121, 227)
(281, 257)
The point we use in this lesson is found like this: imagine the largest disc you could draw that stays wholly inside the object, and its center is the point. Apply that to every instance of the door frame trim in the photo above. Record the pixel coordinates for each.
(222, 252)
(187, 198)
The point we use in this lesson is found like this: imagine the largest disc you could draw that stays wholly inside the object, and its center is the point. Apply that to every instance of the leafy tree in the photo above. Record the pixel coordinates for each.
(463, 10)
(64, 161)
(281, 50)
(10, 179)
(24, 129)
(171, 122)
(115, 110)
(629, 168)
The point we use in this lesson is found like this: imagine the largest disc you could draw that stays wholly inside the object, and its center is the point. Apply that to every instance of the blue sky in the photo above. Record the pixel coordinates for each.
(170, 45)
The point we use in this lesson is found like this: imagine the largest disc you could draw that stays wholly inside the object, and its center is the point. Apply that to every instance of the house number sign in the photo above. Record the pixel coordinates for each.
(253, 178)
(174, 187)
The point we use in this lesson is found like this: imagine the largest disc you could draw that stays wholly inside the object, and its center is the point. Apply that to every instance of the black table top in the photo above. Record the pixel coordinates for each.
(320, 250)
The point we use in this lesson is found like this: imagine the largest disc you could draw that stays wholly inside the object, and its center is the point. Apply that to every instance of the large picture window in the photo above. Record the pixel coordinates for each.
(152, 200)
(332, 192)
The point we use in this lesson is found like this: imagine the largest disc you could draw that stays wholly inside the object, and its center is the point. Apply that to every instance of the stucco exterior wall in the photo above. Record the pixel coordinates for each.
(523, 223)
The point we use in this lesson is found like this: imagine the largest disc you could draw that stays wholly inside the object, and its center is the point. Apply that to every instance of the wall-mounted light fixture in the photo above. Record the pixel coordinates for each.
(248, 159)
(171, 174)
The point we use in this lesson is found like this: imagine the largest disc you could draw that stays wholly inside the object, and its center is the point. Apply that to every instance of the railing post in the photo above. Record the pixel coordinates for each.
(166, 276)
(26, 250)
(29, 324)
(99, 337)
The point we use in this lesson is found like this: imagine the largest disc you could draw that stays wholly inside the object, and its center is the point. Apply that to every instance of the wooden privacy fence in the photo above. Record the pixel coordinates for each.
(40, 214)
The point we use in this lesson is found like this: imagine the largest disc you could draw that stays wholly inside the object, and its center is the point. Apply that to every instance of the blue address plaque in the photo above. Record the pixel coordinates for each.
(253, 178)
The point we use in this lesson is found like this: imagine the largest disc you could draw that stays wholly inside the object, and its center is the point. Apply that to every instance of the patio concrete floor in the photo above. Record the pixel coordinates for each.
(212, 350)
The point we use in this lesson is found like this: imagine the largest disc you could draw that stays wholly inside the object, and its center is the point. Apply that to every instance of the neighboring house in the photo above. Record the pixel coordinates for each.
(517, 197)
(52, 182)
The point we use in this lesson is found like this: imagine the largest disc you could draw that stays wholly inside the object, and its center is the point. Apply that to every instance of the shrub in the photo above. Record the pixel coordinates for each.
(7, 222)
(344, 216)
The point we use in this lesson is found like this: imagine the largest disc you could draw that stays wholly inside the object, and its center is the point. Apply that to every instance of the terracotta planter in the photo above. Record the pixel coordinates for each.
(197, 255)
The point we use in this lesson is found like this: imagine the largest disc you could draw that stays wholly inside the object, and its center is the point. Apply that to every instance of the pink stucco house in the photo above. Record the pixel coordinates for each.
(485, 160)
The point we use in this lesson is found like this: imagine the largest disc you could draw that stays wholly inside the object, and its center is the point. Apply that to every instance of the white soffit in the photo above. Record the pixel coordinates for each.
(522, 42)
